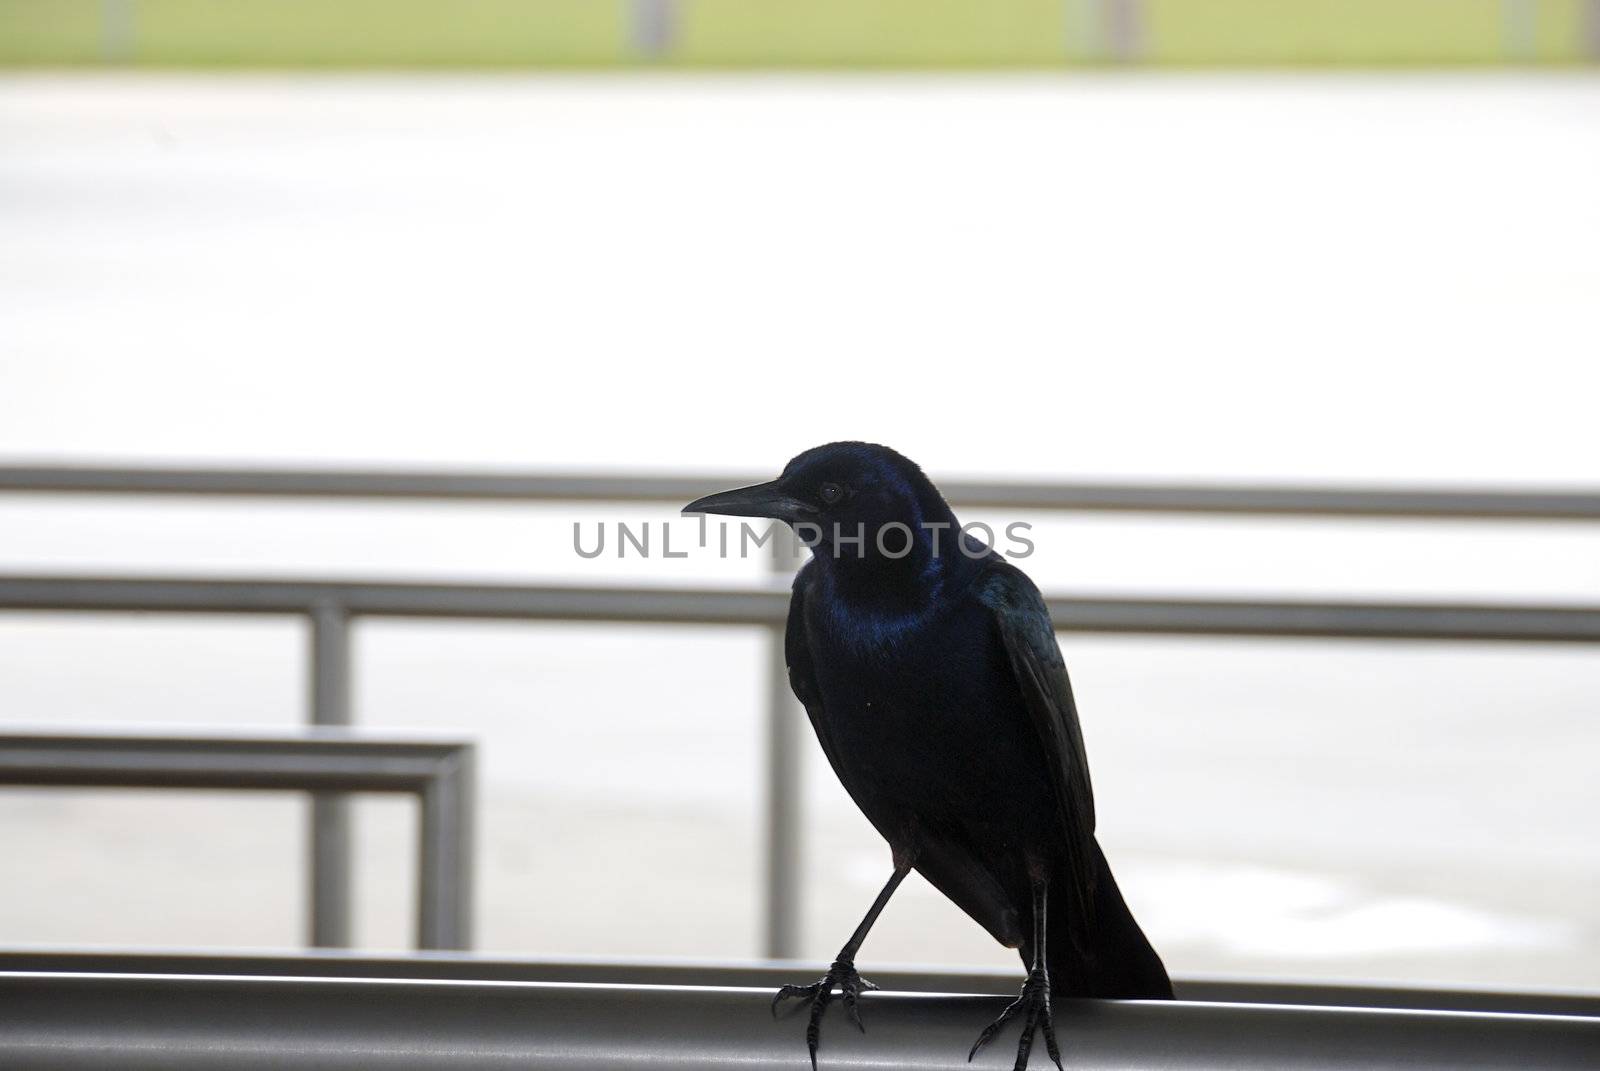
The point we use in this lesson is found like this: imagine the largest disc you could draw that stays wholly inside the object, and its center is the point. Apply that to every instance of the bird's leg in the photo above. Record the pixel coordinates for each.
(1034, 1003)
(842, 973)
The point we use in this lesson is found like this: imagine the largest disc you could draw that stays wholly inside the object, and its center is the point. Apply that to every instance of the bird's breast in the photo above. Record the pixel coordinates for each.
(928, 723)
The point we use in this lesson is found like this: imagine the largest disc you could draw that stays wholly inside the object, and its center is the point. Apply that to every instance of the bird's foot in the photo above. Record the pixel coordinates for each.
(850, 985)
(1033, 1007)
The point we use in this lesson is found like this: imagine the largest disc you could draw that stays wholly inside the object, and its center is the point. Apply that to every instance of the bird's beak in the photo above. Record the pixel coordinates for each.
(757, 500)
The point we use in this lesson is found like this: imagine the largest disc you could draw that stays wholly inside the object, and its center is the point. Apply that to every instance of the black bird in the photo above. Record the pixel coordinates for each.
(929, 667)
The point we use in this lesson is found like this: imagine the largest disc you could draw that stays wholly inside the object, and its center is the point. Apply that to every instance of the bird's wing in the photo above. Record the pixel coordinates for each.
(1029, 637)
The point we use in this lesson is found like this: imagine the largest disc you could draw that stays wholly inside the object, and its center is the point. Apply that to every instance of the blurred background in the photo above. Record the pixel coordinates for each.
(1200, 241)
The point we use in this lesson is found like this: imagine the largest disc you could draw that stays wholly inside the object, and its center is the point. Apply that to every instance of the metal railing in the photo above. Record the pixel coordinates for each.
(135, 1022)
(1260, 499)
(761, 974)
(438, 772)
(330, 606)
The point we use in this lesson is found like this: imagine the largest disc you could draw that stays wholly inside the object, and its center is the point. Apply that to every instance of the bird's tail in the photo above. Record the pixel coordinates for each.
(1113, 959)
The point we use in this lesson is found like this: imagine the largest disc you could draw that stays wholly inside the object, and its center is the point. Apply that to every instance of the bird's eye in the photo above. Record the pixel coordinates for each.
(831, 492)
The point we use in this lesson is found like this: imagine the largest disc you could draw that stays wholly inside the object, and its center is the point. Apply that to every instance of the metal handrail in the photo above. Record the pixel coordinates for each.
(1484, 503)
(439, 772)
(728, 606)
(329, 606)
(136, 1022)
(762, 974)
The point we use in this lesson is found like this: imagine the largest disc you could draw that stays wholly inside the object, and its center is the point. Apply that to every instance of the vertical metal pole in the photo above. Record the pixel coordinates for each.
(1591, 30)
(329, 870)
(785, 738)
(1123, 30)
(654, 27)
(116, 30)
(444, 868)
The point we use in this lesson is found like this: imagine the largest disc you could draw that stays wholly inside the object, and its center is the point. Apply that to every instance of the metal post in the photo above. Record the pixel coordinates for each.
(444, 871)
(1123, 30)
(329, 866)
(117, 21)
(781, 938)
(1591, 31)
(654, 27)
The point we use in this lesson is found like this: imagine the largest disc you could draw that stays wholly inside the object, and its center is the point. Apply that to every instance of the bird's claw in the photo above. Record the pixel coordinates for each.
(850, 985)
(1034, 1006)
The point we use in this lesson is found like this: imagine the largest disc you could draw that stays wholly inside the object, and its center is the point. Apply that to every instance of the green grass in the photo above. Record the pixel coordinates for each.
(780, 33)
(325, 33)
(876, 33)
(49, 31)
(1325, 32)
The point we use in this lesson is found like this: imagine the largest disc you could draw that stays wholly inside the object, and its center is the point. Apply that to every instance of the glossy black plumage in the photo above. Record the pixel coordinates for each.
(938, 693)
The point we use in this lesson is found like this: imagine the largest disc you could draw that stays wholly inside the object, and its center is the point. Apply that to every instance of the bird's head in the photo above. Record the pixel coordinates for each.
(844, 489)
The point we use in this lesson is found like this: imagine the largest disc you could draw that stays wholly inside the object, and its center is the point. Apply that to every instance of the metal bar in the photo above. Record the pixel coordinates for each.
(438, 771)
(331, 848)
(444, 874)
(784, 870)
(329, 663)
(1123, 23)
(118, 30)
(1346, 620)
(175, 1023)
(1475, 503)
(661, 605)
(346, 762)
(329, 877)
(768, 974)
(721, 606)
(653, 26)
